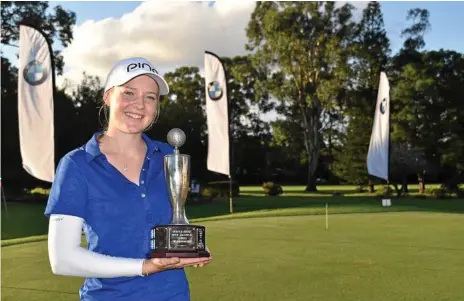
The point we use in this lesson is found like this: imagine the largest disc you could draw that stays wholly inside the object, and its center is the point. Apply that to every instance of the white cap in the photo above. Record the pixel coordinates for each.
(125, 70)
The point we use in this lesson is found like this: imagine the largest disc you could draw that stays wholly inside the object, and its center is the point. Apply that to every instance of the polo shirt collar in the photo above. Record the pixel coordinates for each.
(93, 149)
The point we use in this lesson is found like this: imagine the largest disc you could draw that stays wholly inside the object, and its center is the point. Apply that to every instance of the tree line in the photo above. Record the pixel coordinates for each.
(315, 65)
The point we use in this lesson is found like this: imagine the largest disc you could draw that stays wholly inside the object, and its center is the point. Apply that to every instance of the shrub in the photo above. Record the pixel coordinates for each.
(40, 191)
(439, 193)
(206, 191)
(420, 196)
(386, 191)
(222, 188)
(204, 196)
(460, 193)
(361, 189)
(452, 187)
(272, 189)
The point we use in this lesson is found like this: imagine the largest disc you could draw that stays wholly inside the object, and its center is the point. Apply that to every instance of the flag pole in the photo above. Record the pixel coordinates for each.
(231, 140)
(326, 215)
(389, 139)
(231, 207)
(3, 197)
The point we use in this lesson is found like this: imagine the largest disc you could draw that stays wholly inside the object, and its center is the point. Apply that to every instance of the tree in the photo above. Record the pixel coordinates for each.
(446, 68)
(247, 100)
(427, 110)
(11, 159)
(372, 53)
(415, 33)
(83, 110)
(184, 108)
(333, 133)
(428, 113)
(287, 145)
(55, 26)
(245, 95)
(404, 161)
(307, 46)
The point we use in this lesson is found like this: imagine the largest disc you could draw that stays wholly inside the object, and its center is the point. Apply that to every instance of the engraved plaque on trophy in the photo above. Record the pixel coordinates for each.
(178, 238)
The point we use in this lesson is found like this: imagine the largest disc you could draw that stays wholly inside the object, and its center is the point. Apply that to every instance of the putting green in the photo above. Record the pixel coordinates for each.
(370, 256)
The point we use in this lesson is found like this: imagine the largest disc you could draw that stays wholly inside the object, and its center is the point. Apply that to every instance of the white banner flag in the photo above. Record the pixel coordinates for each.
(378, 155)
(217, 115)
(35, 104)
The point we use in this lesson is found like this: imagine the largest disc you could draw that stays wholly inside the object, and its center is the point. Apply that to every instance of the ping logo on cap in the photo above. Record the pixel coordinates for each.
(135, 66)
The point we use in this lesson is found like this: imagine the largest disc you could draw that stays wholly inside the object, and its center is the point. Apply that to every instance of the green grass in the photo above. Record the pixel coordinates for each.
(383, 257)
(277, 248)
(27, 220)
(23, 220)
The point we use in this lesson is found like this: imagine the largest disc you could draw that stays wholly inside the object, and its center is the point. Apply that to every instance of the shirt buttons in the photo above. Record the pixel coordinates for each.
(143, 195)
(143, 182)
(148, 158)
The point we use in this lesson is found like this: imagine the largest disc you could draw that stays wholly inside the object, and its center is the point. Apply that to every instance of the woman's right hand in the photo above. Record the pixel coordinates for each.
(154, 265)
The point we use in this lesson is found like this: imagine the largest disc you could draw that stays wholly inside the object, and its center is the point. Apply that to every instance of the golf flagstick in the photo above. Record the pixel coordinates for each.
(326, 215)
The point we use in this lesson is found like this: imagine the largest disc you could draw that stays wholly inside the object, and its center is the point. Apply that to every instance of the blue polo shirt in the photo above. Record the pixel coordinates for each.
(118, 218)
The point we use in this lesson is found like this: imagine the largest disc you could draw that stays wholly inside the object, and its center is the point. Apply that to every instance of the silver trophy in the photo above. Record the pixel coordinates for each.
(177, 176)
(179, 238)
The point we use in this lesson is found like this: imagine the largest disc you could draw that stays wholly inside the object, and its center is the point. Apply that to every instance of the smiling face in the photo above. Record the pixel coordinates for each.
(134, 105)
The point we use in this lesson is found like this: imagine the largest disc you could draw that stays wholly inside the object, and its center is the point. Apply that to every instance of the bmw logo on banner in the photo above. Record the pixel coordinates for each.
(214, 90)
(383, 106)
(34, 73)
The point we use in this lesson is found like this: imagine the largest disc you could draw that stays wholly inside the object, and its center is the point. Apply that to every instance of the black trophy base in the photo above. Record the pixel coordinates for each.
(183, 241)
(162, 254)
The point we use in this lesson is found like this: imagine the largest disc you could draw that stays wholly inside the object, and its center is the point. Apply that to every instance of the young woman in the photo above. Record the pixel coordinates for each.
(113, 188)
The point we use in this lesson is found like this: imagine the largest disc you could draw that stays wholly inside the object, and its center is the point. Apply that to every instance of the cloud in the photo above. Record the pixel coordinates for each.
(168, 33)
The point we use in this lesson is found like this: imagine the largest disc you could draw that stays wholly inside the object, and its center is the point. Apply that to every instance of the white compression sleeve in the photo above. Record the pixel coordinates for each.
(68, 258)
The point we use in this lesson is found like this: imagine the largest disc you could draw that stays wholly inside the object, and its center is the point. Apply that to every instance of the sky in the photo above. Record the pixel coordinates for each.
(173, 34)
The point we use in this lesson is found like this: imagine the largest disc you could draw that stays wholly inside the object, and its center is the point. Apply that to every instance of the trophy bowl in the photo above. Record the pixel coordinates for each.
(178, 238)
